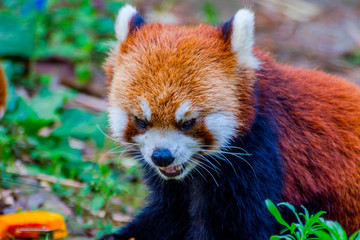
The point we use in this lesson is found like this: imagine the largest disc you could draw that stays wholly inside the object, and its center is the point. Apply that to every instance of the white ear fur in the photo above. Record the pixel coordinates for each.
(122, 22)
(242, 38)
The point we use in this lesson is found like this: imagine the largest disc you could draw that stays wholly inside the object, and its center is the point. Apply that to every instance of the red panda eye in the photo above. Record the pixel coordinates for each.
(187, 124)
(141, 123)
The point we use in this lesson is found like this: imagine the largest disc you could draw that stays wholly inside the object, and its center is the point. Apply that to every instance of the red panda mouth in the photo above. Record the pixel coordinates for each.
(172, 171)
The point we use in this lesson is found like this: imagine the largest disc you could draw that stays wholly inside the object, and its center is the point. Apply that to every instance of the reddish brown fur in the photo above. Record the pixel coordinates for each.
(319, 126)
(2, 90)
(318, 115)
(203, 134)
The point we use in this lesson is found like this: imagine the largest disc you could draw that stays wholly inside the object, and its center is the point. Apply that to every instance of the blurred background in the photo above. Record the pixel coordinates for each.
(54, 149)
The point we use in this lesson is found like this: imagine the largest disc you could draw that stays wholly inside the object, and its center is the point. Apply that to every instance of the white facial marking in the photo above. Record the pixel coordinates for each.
(181, 147)
(182, 110)
(242, 39)
(122, 22)
(118, 120)
(146, 109)
(222, 126)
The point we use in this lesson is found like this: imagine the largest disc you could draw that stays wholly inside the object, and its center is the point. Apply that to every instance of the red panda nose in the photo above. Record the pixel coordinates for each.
(162, 157)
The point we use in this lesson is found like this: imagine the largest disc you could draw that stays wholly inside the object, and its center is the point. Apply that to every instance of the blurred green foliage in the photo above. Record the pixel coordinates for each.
(79, 31)
(354, 58)
(38, 130)
(210, 13)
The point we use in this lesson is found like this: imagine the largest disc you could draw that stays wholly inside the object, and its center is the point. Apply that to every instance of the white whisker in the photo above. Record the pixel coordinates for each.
(204, 167)
(214, 168)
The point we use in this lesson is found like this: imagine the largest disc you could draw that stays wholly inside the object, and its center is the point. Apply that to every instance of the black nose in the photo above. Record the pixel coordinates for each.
(162, 157)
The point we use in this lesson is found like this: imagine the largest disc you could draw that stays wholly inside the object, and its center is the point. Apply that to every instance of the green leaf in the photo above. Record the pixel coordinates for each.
(336, 230)
(105, 170)
(287, 237)
(292, 208)
(82, 125)
(45, 79)
(23, 111)
(47, 103)
(276, 238)
(355, 236)
(57, 150)
(275, 212)
(83, 72)
(293, 228)
(323, 235)
(97, 202)
(16, 35)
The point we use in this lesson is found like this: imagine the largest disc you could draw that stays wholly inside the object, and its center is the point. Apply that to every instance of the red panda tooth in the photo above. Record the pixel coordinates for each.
(171, 169)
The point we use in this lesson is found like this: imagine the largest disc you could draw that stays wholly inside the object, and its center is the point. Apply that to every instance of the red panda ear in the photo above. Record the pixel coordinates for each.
(127, 21)
(240, 31)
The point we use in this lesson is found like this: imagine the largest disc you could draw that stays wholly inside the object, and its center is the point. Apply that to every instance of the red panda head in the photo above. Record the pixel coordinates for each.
(178, 93)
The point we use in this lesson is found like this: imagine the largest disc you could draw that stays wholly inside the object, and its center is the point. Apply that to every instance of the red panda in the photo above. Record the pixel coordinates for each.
(220, 127)
(2, 93)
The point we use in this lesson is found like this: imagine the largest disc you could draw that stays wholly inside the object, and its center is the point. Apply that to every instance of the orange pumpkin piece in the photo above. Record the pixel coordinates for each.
(31, 224)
